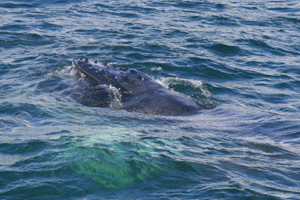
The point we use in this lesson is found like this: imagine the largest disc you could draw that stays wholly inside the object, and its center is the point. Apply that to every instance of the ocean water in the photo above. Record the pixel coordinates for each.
(238, 58)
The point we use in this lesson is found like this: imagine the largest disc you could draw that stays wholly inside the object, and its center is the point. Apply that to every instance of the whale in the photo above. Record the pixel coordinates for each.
(138, 92)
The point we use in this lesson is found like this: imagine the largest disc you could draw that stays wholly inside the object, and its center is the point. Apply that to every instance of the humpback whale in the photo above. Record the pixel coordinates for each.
(139, 92)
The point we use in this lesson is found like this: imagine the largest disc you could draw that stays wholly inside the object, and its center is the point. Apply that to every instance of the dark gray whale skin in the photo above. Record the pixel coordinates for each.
(139, 92)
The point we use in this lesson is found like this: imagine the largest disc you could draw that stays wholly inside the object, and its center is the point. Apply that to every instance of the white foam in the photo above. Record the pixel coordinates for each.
(196, 84)
(116, 102)
(59, 72)
(156, 69)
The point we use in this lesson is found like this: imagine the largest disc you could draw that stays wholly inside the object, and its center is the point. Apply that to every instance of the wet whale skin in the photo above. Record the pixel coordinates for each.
(139, 92)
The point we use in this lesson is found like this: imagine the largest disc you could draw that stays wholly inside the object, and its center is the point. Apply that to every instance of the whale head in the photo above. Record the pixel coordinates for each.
(127, 80)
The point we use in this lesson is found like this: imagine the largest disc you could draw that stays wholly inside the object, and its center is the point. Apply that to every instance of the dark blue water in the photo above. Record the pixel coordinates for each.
(239, 59)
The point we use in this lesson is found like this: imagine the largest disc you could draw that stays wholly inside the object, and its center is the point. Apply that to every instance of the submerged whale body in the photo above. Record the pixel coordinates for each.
(139, 92)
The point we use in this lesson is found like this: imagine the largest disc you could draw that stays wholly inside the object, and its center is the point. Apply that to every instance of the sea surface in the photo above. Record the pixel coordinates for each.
(239, 59)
